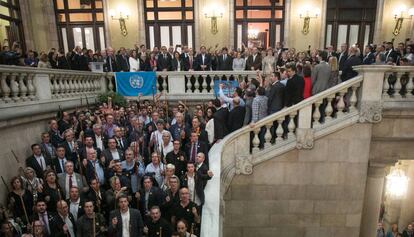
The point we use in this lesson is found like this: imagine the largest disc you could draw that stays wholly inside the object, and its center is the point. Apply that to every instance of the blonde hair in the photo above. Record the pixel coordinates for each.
(333, 62)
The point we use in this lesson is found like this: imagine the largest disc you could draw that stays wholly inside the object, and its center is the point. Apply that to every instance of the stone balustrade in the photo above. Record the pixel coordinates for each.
(360, 99)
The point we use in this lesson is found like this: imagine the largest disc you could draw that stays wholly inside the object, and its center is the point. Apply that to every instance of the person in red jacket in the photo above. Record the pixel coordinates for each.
(307, 71)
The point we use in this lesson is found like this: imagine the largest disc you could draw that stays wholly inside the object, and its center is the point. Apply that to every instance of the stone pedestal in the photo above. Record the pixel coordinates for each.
(372, 201)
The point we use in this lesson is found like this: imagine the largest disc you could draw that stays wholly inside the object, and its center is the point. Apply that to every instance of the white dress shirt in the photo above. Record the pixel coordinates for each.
(125, 223)
(99, 143)
(74, 208)
(115, 155)
(74, 183)
(41, 161)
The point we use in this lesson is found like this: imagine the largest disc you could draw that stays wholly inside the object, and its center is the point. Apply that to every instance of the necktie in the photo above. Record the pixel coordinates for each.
(45, 222)
(193, 152)
(63, 165)
(41, 163)
(70, 182)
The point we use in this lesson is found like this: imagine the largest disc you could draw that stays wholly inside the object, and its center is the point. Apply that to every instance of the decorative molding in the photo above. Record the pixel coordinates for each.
(244, 165)
(370, 111)
(305, 138)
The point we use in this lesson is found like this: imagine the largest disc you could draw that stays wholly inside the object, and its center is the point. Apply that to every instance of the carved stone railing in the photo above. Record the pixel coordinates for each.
(360, 99)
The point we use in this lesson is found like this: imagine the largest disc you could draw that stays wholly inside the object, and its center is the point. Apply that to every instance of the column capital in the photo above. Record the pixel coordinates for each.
(377, 169)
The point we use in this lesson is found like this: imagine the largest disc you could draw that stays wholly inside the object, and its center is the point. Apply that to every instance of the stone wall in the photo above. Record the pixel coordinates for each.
(304, 193)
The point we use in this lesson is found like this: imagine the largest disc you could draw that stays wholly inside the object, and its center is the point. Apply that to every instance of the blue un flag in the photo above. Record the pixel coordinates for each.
(135, 83)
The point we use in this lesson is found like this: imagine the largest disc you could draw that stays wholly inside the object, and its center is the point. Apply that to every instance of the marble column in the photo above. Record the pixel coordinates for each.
(372, 200)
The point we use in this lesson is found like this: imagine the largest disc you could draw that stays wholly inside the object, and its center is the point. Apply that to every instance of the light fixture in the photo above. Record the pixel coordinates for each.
(213, 12)
(123, 16)
(399, 13)
(252, 33)
(306, 13)
(397, 182)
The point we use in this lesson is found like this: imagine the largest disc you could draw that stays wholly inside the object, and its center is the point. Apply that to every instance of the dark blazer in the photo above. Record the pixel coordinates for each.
(391, 54)
(220, 123)
(32, 162)
(294, 90)
(81, 211)
(369, 59)
(123, 62)
(55, 138)
(90, 171)
(348, 72)
(82, 153)
(174, 65)
(45, 151)
(56, 163)
(201, 147)
(199, 61)
(257, 63)
(203, 136)
(111, 61)
(56, 225)
(135, 223)
(236, 118)
(187, 64)
(341, 60)
(72, 155)
(125, 143)
(108, 155)
(225, 65)
(164, 63)
(276, 96)
(155, 198)
(200, 179)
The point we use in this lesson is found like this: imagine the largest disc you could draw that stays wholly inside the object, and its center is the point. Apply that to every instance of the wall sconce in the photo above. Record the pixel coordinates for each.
(306, 14)
(123, 16)
(213, 12)
(399, 17)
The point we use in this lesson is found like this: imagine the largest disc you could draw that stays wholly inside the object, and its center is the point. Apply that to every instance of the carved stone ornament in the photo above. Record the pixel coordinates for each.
(304, 137)
(370, 111)
(244, 165)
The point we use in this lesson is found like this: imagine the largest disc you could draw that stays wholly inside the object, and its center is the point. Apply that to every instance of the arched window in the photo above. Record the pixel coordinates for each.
(80, 23)
(258, 23)
(169, 23)
(350, 22)
(11, 29)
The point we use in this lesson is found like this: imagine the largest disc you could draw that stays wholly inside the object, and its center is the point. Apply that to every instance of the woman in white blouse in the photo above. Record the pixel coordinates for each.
(134, 62)
(238, 62)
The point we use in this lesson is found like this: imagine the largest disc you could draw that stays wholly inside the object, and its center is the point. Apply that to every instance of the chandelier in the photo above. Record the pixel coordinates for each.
(397, 182)
(252, 33)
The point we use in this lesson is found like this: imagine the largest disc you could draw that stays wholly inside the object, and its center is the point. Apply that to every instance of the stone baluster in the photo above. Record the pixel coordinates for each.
(110, 84)
(409, 87)
(5, 89)
(329, 109)
(256, 140)
(354, 99)
(22, 87)
(386, 85)
(92, 84)
(98, 84)
(30, 86)
(86, 84)
(81, 81)
(89, 86)
(316, 114)
(60, 85)
(77, 85)
(279, 130)
(397, 85)
(54, 87)
(71, 85)
(204, 84)
(188, 83)
(268, 135)
(291, 125)
(164, 83)
(14, 87)
(341, 103)
(197, 85)
(67, 86)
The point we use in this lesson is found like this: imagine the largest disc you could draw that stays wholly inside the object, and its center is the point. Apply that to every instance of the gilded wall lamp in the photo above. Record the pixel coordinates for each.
(213, 12)
(399, 17)
(306, 14)
(121, 15)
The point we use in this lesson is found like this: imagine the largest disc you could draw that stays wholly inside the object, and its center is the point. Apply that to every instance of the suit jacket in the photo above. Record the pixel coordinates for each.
(81, 211)
(108, 156)
(200, 179)
(80, 180)
(32, 162)
(220, 123)
(46, 152)
(391, 54)
(174, 65)
(200, 147)
(70, 154)
(188, 64)
(123, 62)
(57, 223)
(276, 98)
(155, 198)
(55, 138)
(320, 77)
(225, 65)
(294, 90)
(257, 63)
(119, 145)
(104, 138)
(110, 63)
(341, 60)
(164, 63)
(369, 59)
(135, 223)
(56, 163)
(199, 61)
(236, 118)
(348, 72)
(82, 153)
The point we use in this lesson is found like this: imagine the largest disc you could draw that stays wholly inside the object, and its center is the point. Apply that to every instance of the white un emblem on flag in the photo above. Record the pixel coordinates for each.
(136, 82)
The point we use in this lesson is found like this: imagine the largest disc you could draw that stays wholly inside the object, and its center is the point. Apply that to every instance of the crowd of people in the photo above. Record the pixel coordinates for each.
(394, 232)
(142, 169)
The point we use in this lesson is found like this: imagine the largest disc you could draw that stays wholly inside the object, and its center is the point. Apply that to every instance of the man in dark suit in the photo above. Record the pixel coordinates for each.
(194, 147)
(76, 203)
(196, 127)
(254, 61)
(121, 141)
(203, 60)
(55, 135)
(149, 196)
(276, 94)
(112, 153)
(198, 182)
(188, 61)
(100, 140)
(369, 57)
(71, 179)
(110, 64)
(48, 150)
(390, 54)
(236, 116)
(342, 56)
(63, 224)
(220, 120)
(123, 60)
(225, 61)
(37, 161)
(294, 86)
(164, 60)
(89, 144)
(353, 60)
(59, 162)
(71, 146)
(42, 215)
(125, 219)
